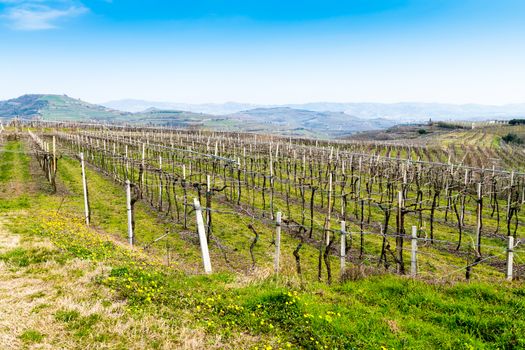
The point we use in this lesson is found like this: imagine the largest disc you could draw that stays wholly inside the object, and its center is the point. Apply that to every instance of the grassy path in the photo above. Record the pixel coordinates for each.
(14, 171)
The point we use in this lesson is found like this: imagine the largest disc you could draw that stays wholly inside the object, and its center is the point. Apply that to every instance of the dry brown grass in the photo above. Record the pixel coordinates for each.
(31, 296)
(359, 271)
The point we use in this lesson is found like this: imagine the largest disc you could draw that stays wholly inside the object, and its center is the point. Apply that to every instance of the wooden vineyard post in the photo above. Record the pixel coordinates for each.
(54, 155)
(510, 257)
(160, 183)
(277, 242)
(399, 239)
(143, 164)
(413, 255)
(127, 161)
(509, 202)
(185, 199)
(130, 214)
(271, 183)
(343, 247)
(202, 237)
(208, 205)
(479, 221)
(84, 186)
(328, 215)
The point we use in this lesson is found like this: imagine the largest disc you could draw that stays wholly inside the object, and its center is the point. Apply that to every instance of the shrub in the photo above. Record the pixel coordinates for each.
(516, 121)
(512, 138)
(451, 125)
(422, 132)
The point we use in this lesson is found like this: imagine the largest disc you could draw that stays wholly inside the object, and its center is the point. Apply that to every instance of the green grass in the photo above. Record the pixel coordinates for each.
(79, 325)
(21, 257)
(387, 311)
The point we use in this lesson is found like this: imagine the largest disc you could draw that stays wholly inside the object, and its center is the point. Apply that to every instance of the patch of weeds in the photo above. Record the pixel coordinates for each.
(36, 295)
(84, 325)
(76, 273)
(18, 203)
(102, 338)
(21, 257)
(31, 336)
(80, 325)
(67, 316)
(39, 308)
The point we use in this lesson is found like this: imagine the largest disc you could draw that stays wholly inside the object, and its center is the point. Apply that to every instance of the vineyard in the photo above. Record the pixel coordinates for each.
(295, 210)
(363, 204)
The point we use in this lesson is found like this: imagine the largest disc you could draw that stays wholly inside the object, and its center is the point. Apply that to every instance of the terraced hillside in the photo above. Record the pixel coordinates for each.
(482, 146)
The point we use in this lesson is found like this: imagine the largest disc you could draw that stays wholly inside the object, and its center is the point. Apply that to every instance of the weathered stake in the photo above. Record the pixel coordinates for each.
(413, 255)
(130, 214)
(343, 247)
(202, 236)
(510, 257)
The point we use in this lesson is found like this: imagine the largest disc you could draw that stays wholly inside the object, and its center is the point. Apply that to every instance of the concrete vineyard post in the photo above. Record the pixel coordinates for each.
(130, 214)
(84, 186)
(277, 241)
(202, 237)
(413, 255)
(510, 257)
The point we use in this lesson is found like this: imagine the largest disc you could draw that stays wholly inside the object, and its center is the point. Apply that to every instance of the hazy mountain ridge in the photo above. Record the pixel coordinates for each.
(134, 106)
(403, 111)
(276, 120)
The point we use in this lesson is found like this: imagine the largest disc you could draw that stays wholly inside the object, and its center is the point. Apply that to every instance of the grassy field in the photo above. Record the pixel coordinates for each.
(68, 286)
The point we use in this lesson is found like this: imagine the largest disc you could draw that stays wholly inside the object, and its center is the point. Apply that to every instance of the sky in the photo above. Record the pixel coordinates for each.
(265, 52)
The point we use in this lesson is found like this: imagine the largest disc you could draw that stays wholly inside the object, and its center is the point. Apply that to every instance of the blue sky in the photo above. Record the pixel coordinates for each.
(457, 51)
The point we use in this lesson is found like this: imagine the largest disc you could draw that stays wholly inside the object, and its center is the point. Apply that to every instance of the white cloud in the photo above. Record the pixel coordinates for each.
(39, 14)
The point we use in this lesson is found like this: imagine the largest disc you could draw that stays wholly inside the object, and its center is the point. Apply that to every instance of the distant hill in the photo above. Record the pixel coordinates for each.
(278, 120)
(63, 107)
(402, 112)
(27, 105)
(326, 120)
(56, 107)
(286, 120)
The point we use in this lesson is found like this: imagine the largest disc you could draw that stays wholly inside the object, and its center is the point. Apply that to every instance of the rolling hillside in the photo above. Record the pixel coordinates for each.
(279, 120)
